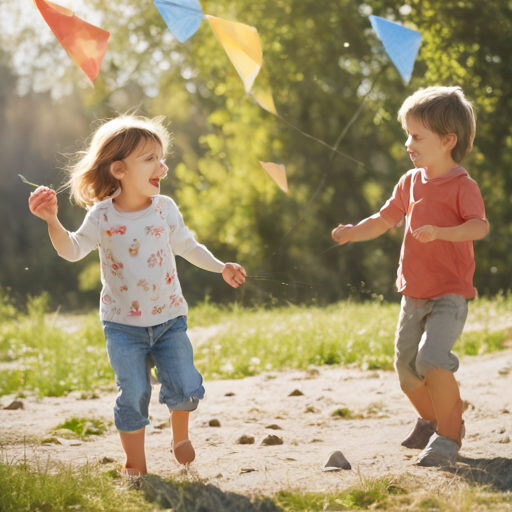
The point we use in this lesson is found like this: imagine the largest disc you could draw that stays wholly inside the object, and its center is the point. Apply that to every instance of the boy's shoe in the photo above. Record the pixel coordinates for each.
(419, 436)
(440, 451)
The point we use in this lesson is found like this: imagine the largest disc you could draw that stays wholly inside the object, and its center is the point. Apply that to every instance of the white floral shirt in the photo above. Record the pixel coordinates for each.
(138, 269)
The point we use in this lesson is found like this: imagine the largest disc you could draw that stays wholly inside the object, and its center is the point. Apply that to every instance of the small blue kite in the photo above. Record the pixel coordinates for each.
(183, 17)
(401, 44)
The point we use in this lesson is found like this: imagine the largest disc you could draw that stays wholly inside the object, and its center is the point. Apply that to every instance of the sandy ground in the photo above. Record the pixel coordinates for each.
(304, 423)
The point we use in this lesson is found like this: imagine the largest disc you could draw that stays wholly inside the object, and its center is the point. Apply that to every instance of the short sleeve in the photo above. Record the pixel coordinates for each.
(471, 204)
(86, 238)
(396, 206)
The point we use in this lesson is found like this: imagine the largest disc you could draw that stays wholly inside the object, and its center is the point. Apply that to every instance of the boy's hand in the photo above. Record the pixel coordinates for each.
(425, 233)
(341, 234)
(43, 203)
(234, 274)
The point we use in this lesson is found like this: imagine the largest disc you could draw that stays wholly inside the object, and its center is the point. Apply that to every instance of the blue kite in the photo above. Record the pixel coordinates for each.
(183, 17)
(401, 44)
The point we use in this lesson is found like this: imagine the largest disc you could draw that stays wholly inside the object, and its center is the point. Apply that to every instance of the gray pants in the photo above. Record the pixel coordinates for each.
(426, 332)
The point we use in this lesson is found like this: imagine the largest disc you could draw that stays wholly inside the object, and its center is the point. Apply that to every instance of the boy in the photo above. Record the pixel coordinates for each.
(444, 213)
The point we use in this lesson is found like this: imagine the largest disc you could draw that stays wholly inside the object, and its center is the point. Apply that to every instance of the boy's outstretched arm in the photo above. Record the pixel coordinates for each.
(473, 229)
(367, 229)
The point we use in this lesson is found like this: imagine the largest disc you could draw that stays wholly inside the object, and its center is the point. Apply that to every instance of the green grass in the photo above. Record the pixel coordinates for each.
(59, 488)
(38, 357)
(84, 426)
(48, 488)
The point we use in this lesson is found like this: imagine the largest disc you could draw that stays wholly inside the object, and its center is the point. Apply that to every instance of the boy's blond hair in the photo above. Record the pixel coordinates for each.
(90, 179)
(443, 110)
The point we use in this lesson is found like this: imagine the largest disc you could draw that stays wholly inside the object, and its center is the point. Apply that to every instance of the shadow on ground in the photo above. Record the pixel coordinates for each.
(495, 472)
(199, 497)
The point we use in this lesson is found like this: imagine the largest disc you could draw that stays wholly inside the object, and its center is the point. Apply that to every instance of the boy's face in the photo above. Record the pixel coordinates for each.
(425, 148)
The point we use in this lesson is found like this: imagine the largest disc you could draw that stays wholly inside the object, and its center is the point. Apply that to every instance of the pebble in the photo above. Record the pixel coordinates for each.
(296, 392)
(272, 440)
(505, 440)
(229, 393)
(274, 427)
(214, 423)
(245, 440)
(16, 404)
(336, 461)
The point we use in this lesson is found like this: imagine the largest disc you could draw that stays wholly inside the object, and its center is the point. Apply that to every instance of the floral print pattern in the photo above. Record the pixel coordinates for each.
(116, 230)
(155, 231)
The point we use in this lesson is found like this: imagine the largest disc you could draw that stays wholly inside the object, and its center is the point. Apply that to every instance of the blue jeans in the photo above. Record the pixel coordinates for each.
(133, 351)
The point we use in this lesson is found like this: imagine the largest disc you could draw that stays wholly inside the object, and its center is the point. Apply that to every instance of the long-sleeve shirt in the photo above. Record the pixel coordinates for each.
(138, 268)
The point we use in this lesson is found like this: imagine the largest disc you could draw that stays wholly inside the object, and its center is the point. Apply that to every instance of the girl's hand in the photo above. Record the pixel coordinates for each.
(341, 234)
(425, 233)
(234, 274)
(43, 203)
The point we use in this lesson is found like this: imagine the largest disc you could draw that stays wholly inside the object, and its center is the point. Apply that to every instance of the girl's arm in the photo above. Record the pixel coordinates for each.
(43, 204)
(367, 229)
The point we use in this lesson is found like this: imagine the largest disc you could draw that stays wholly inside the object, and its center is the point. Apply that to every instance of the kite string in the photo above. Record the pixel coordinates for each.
(327, 171)
(320, 141)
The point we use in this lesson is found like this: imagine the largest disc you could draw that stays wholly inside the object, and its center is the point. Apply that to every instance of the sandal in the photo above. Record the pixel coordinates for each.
(183, 451)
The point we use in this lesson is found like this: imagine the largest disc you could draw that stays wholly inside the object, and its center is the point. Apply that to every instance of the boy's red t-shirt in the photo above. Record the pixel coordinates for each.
(437, 268)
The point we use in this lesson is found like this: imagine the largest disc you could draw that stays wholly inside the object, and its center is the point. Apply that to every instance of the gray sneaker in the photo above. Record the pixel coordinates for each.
(420, 434)
(440, 451)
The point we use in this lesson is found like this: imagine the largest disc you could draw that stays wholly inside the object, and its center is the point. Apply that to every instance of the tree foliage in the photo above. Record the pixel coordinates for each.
(320, 58)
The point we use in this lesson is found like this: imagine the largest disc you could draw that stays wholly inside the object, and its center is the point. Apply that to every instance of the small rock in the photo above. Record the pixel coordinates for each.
(467, 405)
(504, 411)
(230, 393)
(272, 440)
(317, 440)
(165, 424)
(505, 440)
(274, 427)
(107, 460)
(16, 404)
(336, 461)
(245, 440)
(291, 459)
(220, 475)
(505, 370)
(214, 423)
(310, 408)
(296, 392)
(50, 440)
(246, 470)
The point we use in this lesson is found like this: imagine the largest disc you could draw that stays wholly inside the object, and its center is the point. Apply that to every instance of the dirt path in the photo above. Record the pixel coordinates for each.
(309, 432)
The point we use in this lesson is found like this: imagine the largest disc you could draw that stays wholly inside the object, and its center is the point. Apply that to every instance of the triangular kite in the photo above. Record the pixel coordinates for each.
(401, 44)
(265, 100)
(84, 43)
(278, 173)
(183, 17)
(242, 44)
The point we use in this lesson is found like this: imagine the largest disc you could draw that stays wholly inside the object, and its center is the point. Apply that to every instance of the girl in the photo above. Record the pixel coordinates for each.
(142, 309)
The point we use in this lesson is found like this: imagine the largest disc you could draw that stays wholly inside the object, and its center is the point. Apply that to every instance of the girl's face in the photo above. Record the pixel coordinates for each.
(143, 170)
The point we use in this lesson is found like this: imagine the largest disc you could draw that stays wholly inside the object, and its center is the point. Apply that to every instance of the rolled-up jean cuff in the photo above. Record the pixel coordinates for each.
(126, 429)
(189, 405)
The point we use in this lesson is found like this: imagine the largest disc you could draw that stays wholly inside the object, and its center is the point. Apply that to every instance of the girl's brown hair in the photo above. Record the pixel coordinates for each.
(90, 179)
